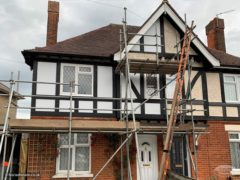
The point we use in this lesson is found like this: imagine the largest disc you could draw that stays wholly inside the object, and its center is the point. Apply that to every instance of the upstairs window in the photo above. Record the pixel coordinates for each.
(152, 85)
(81, 76)
(232, 88)
(234, 139)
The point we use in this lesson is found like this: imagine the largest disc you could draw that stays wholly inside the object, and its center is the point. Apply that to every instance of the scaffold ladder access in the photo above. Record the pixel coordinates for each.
(176, 102)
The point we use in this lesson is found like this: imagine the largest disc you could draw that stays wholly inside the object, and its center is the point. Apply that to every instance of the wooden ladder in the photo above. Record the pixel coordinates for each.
(175, 103)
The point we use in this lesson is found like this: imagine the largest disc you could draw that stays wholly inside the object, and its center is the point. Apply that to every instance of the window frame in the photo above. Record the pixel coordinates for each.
(74, 146)
(157, 96)
(234, 170)
(236, 83)
(77, 72)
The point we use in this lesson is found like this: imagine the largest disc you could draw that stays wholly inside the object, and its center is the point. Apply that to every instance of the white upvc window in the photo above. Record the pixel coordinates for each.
(234, 139)
(81, 76)
(151, 85)
(169, 90)
(80, 154)
(232, 88)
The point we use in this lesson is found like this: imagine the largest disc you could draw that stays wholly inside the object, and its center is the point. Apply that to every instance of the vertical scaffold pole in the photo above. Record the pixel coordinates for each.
(6, 120)
(126, 103)
(70, 130)
(130, 89)
(4, 136)
(192, 119)
(14, 138)
(120, 102)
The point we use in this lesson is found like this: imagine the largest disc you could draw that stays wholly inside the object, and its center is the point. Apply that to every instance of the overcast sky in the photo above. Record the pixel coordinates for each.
(23, 25)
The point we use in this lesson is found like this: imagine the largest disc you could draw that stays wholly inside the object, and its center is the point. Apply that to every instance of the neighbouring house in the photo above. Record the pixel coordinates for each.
(4, 99)
(91, 59)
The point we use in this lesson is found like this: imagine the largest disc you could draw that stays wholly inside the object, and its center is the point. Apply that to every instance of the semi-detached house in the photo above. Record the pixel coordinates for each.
(91, 59)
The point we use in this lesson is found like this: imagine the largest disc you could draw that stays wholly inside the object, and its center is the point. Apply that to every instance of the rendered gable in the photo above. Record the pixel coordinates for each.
(147, 27)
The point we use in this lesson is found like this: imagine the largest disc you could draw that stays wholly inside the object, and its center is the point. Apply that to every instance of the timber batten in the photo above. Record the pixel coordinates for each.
(147, 63)
(93, 125)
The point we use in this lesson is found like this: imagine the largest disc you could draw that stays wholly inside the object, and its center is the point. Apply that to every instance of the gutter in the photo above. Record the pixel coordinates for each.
(226, 67)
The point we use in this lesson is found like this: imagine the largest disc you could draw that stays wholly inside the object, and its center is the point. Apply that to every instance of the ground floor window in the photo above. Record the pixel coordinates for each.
(80, 153)
(234, 139)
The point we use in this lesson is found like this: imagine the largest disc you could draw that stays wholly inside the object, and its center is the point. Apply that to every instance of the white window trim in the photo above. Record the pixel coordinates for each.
(63, 173)
(72, 175)
(76, 78)
(234, 170)
(236, 76)
(157, 96)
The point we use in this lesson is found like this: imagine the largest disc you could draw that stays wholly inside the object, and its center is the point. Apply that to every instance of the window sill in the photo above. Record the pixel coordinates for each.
(72, 175)
(235, 172)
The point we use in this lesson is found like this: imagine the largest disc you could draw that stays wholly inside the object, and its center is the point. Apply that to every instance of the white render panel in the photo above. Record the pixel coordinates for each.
(153, 30)
(152, 108)
(138, 111)
(46, 72)
(45, 103)
(136, 47)
(105, 106)
(171, 36)
(136, 81)
(105, 81)
(65, 104)
(85, 105)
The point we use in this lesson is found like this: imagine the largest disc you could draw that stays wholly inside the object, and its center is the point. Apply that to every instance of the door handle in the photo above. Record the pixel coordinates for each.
(146, 165)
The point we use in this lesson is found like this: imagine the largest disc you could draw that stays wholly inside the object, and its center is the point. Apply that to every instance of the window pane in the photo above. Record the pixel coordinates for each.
(63, 139)
(230, 92)
(85, 69)
(64, 159)
(82, 159)
(151, 84)
(82, 138)
(233, 136)
(68, 76)
(85, 84)
(235, 154)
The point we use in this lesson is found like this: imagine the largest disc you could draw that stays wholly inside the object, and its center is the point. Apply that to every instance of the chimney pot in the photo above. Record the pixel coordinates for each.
(215, 34)
(52, 26)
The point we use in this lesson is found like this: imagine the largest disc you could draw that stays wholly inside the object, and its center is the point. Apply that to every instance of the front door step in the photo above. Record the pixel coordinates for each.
(173, 176)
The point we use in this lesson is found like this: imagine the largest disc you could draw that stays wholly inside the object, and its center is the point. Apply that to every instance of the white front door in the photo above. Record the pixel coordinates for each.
(148, 157)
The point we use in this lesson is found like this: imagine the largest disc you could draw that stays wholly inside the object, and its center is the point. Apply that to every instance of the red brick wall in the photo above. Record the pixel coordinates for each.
(214, 157)
(42, 155)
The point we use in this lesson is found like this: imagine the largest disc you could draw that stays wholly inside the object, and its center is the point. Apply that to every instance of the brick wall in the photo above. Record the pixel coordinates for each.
(214, 159)
(42, 154)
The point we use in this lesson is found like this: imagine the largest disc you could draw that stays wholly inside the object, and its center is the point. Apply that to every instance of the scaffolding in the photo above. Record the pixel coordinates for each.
(127, 128)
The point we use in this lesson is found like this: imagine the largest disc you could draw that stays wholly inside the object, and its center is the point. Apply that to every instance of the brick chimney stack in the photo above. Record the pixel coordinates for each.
(52, 25)
(215, 34)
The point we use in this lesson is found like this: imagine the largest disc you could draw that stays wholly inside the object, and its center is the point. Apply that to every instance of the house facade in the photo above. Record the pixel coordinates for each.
(90, 61)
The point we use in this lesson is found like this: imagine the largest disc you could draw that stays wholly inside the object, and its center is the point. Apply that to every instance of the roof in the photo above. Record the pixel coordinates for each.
(225, 58)
(104, 42)
(6, 90)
